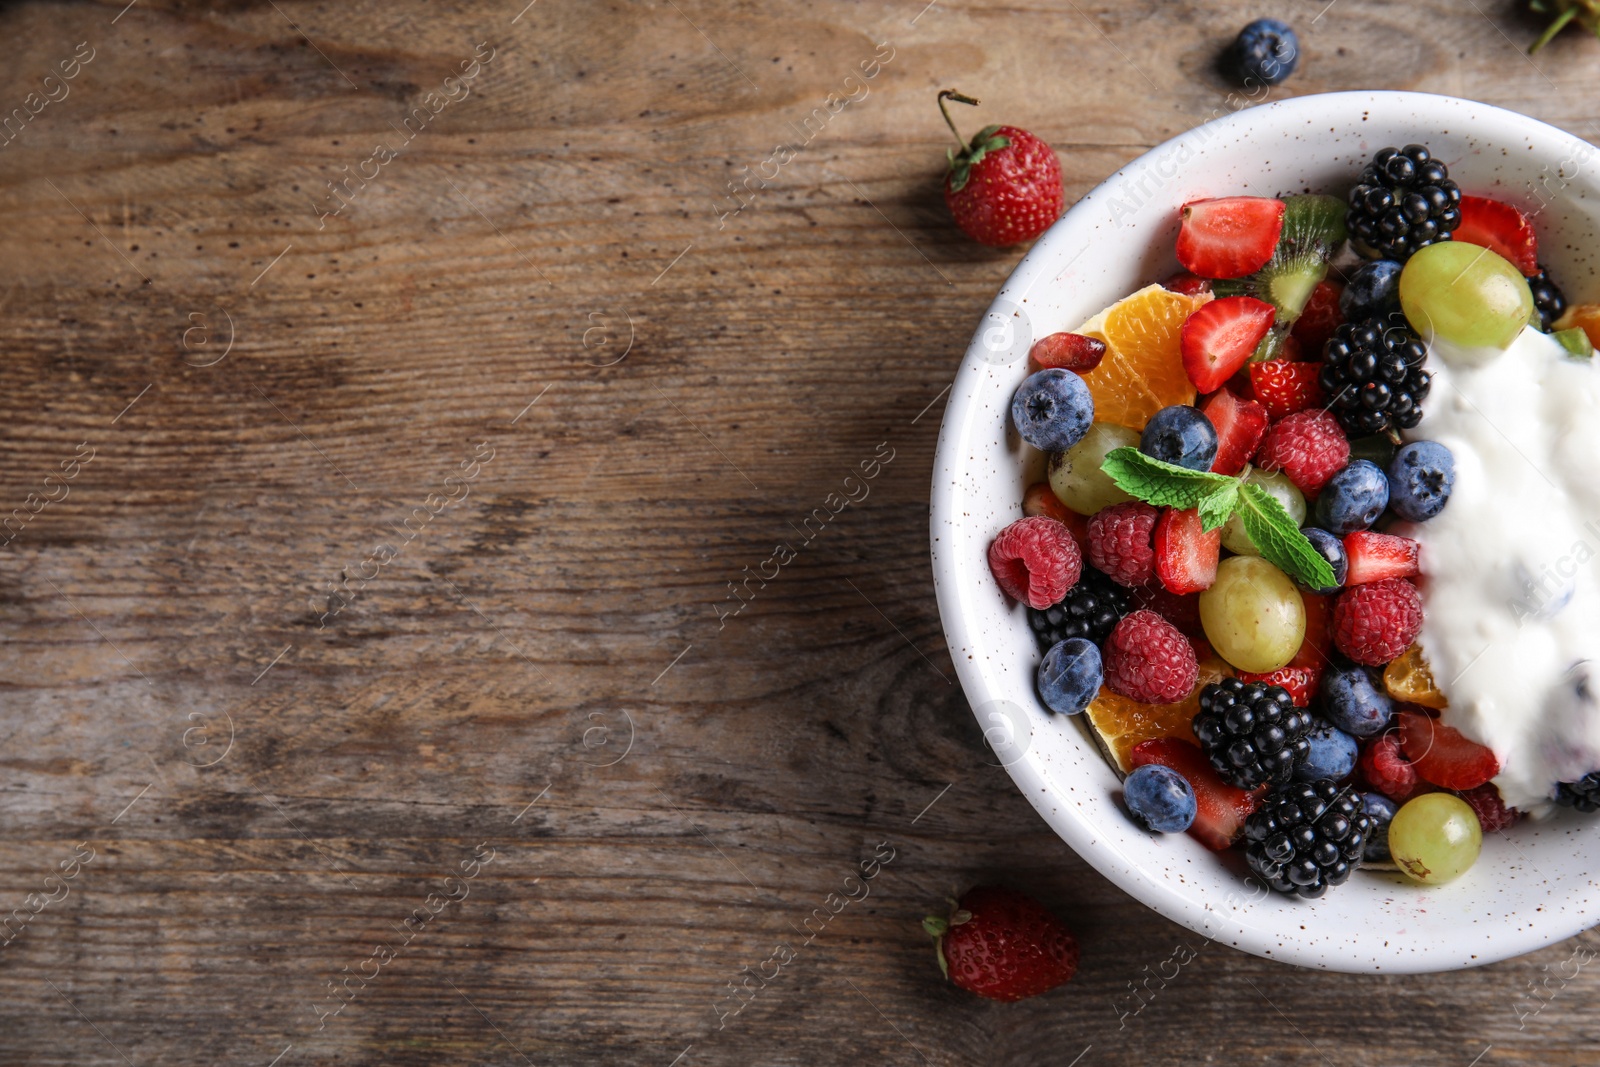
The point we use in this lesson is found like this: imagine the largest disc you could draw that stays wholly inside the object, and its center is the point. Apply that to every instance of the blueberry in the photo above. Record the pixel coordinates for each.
(1352, 703)
(1373, 290)
(1421, 476)
(1160, 798)
(1182, 436)
(1331, 549)
(1332, 753)
(1070, 675)
(1266, 50)
(1382, 810)
(1353, 499)
(1052, 409)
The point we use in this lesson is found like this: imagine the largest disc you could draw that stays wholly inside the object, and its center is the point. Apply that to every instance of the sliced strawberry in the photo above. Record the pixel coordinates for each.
(1284, 386)
(1442, 754)
(1500, 228)
(1071, 351)
(1385, 768)
(1376, 556)
(1040, 499)
(1316, 650)
(1239, 425)
(1186, 556)
(1319, 319)
(1219, 337)
(1187, 284)
(1230, 236)
(1299, 682)
(1221, 808)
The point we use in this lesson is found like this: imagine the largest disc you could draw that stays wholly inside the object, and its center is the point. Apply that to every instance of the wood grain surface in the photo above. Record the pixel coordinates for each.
(378, 656)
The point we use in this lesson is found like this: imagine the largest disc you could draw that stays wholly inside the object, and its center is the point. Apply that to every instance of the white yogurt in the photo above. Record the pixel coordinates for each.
(1512, 564)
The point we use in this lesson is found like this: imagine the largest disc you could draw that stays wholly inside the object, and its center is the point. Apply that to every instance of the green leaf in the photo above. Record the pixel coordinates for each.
(1217, 505)
(1278, 538)
(1163, 484)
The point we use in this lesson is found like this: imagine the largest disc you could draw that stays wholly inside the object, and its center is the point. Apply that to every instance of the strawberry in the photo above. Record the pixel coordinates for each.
(1285, 386)
(1221, 809)
(1299, 682)
(1040, 499)
(1003, 187)
(1316, 650)
(1239, 425)
(1442, 754)
(1003, 945)
(1501, 228)
(1230, 236)
(1187, 284)
(1186, 555)
(1376, 556)
(1218, 338)
(1319, 319)
(1070, 351)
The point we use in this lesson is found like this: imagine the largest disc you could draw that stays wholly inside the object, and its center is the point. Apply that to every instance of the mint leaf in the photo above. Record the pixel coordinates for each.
(1280, 541)
(1163, 484)
(1216, 506)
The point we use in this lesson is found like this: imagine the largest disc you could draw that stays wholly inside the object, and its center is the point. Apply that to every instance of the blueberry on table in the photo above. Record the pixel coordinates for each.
(1353, 499)
(1421, 476)
(1180, 435)
(1052, 409)
(1331, 549)
(1160, 798)
(1070, 675)
(1352, 703)
(1266, 51)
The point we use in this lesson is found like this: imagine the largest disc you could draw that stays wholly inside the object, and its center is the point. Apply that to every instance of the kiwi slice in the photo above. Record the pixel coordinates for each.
(1313, 230)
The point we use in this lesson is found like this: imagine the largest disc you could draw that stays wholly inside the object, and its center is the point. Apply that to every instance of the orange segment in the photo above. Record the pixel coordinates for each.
(1142, 371)
(1123, 723)
(1584, 316)
(1410, 679)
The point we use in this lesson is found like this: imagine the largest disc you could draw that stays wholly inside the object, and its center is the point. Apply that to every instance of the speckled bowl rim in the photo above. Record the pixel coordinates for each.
(1532, 885)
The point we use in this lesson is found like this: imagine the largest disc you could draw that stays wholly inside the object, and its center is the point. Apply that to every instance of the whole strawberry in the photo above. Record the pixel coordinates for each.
(1005, 186)
(1002, 945)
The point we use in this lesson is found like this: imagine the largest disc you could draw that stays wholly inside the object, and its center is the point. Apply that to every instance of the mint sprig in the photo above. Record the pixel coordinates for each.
(1217, 497)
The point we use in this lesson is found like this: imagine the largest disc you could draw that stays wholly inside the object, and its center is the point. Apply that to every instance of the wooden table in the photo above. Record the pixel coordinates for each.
(383, 683)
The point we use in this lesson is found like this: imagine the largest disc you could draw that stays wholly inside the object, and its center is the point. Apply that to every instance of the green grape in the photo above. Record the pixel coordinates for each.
(1435, 837)
(1234, 539)
(1075, 474)
(1253, 615)
(1467, 301)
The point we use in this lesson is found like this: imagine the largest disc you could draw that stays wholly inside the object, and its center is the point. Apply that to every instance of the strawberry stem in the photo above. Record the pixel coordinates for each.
(951, 94)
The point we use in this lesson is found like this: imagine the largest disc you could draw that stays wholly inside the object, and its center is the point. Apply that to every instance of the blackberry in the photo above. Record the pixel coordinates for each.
(1307, 836)
(1374, 372)
(1403, 201)
(1091, 609)
(1548, 299)
(1584, 794)
(1253, 733)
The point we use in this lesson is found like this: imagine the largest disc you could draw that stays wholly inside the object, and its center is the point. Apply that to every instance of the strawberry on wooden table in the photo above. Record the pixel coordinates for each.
(1004, 186)
(1229, 236)
(1003, 945)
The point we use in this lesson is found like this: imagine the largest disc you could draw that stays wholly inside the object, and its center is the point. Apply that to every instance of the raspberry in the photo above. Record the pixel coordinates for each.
(1308, 446)
(1386, 769)
(1035, 560)
(1493, 815)
(1374, 623)
(1121, 542)
(1148, 660)
(1300, 682)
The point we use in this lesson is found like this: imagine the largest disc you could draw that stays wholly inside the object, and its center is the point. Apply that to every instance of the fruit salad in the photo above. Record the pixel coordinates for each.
(1317, 562)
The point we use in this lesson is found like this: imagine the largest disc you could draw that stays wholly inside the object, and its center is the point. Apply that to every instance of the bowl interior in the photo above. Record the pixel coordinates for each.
(1532, 884)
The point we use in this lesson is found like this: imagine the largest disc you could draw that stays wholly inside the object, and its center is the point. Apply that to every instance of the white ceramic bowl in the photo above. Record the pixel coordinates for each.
(1533, 884)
